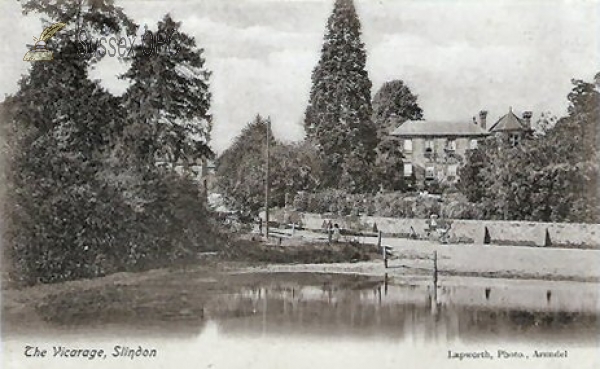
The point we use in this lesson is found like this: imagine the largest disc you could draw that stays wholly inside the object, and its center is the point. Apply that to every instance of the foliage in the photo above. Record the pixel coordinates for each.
(241, 169)
(74, 207)
(169, 97)
(389, 166)
(91, 15)
(295, 167)
(393, 204)
(471, 179)
(338, 116)
(551, 177)
(546, 121)
(314, 253)
(393, 104)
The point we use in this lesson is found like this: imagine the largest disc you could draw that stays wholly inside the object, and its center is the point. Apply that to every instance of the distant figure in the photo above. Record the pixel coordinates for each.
(413, 233)
(329, 231)
(433, 222)
(260, 225)
(336, 233)
(445, 233)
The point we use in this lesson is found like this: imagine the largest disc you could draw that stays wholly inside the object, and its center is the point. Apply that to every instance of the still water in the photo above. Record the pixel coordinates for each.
(335, 321)
(517, 310)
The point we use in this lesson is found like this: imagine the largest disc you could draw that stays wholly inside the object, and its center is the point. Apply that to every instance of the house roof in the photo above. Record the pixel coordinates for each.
(509, 122)
(437, 128)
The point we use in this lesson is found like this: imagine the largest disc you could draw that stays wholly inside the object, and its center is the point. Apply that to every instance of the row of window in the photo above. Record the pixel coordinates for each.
(451, 171)
(450, 145)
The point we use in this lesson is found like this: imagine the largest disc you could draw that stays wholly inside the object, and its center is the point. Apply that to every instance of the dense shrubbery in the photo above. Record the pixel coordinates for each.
(241, 169)
(314, 253)
(81, 231)
(396, 204)
(551, 177)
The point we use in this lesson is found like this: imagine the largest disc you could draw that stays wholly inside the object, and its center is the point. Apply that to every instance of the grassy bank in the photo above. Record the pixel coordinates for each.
(299, 252)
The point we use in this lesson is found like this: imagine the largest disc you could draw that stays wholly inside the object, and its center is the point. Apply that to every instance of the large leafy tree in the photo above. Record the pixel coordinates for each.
(241, 168)
(568, 158)
(74, 208)
(61, 213)
(338, 116)
(394, 104)
(296, 167)
(552, 177)
(167, 128)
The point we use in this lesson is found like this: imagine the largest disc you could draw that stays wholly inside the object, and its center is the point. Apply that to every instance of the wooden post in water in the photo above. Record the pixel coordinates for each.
(434, 299)
(435, 276)
(385, 284)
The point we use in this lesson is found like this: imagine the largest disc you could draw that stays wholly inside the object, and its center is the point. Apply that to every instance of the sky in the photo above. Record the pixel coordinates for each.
(458, 56)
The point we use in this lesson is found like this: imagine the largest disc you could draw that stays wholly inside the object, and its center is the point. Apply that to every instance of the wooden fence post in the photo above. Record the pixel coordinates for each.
(547, 240)
(383, 250)
(487, 239)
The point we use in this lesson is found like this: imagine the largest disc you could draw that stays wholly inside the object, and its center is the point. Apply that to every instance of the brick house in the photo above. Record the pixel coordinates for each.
(434, 150)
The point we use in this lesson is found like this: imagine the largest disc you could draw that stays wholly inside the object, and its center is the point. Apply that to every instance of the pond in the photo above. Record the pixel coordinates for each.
(302, 320)
(367, 307)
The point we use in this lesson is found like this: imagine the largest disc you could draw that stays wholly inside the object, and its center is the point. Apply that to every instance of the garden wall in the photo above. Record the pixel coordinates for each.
(464, 231)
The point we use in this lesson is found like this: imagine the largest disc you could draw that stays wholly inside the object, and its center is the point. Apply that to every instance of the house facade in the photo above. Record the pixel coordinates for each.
(512, 128)
(435, 150)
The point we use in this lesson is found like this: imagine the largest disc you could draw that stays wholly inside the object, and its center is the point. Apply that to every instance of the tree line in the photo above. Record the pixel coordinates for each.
(549, 177)
(346, 145)
(92, 180)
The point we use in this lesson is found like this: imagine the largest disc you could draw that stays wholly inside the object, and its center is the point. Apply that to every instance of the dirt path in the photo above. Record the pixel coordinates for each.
(415, 258)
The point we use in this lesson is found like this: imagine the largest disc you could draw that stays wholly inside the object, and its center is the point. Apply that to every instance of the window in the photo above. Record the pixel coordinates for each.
(514, 139)
(473, 144)
(451, 144)
(408, 145)
(452, 170)
(429, 173)
(428, 147)
(408, 169)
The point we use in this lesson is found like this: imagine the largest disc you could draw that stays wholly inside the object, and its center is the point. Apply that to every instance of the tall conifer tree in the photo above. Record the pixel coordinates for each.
(338, 116)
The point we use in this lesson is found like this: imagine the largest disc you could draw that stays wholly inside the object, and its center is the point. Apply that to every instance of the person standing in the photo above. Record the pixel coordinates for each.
(336, 233)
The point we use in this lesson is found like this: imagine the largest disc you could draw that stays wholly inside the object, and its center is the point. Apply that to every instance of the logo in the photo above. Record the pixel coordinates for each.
(39, 51)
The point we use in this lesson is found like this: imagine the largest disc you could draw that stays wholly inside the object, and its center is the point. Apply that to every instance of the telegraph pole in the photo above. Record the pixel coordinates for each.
(267, 180)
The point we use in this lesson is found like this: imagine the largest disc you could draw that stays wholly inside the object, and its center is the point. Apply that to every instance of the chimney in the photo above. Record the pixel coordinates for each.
(482, 119)
(527, 118)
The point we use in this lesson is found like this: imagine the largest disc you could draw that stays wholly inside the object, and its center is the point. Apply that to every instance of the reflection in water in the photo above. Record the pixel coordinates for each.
(341, 321)
(412, 312)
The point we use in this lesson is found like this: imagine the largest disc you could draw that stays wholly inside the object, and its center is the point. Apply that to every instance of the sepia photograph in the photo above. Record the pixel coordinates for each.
(300, 184)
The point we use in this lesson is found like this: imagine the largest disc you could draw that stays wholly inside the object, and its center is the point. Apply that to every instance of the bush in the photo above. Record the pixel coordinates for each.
(60, 229)
(394, 204)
